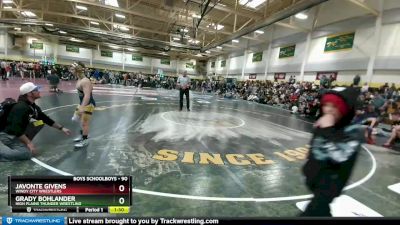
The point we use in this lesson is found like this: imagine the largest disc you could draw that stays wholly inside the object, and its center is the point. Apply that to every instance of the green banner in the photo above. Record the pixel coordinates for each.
(137, 58)
(106, 54)
(257, 57)
(36, 45)
(190, 65)
(212, 64)
(72, 48)
(165, 61)
(223, 63)
(287, 51)
(339, 42)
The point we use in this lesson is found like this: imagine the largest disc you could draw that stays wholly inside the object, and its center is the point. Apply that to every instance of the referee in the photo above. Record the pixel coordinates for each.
(184, 86)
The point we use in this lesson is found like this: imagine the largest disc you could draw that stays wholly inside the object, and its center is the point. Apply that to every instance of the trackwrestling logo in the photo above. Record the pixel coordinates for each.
(33, 220)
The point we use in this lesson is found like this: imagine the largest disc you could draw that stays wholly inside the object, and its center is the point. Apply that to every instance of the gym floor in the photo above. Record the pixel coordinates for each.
(224, 158)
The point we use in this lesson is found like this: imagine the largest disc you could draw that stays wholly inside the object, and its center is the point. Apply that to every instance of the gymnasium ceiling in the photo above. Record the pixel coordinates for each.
(174, 28)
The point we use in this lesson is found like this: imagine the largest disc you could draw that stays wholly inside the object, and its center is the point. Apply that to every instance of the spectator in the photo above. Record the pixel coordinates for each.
(333, 152)
(15, 139)
(8, 71)
(367, 117)
(393, 136)
(54, 80)
(356, 80)
(365, 88)
(3, 65)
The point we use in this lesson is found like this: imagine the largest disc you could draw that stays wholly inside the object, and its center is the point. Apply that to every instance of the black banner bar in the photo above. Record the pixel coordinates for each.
(230, 221)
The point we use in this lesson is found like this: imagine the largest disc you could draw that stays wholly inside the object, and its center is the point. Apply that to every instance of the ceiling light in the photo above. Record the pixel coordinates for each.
(7, 7)
(28, 14)
(120, 16)
(81, 7)
(219, 47)
(194, 41)
(7, 1)
(223, 5)
(62, 32)
(235, 41)
(76, 40)
(94, 23)
(301, 16)
(185, 30)
(111, 3)
(251, 3)
(113, 46)
(49, 24)
(132, 49)
(259, 32)
(208, 52)
(17, 28)
(196, 16)
(215, 26)
(123, 28)
(176, 39)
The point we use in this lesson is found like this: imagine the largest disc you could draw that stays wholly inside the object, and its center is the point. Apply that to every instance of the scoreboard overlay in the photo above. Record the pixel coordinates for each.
(89, 194)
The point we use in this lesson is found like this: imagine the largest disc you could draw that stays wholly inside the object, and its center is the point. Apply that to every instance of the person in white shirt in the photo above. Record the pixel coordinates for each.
(30, 70)
(21, 69)
(3, 65)
(365, 88)
(184, 86)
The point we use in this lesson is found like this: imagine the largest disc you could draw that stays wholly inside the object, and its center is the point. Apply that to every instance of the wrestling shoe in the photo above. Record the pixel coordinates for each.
(78, 139)
(82, 143)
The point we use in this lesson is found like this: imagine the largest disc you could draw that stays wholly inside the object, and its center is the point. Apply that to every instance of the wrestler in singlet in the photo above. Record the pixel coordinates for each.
(86, 106)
